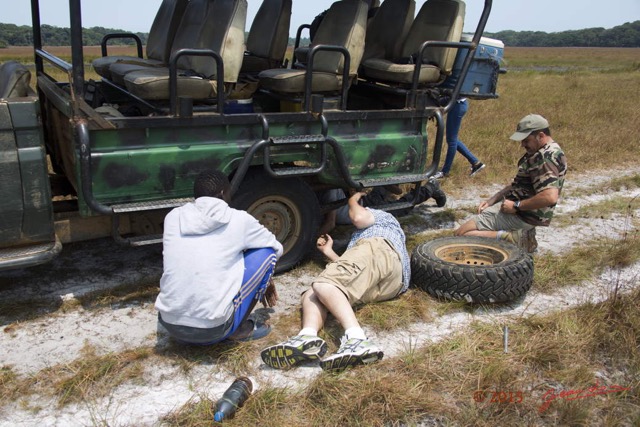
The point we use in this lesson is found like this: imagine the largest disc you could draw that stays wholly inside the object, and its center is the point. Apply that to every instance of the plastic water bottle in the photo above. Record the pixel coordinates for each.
(233, 398)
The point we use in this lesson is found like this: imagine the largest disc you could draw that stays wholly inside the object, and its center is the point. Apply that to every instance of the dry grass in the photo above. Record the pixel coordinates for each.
(198, 412)
(96, 376)
(90, 377)
(572, 350)
(590, 114)
(604, 209)
(8, 384)
(559, 58)
(629, 182)
(414, 306)
(24, 54)
(585, 262)
(414, 240)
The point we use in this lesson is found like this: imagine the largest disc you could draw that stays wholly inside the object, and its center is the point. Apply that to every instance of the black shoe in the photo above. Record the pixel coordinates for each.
(436, 192)
(476, 168)
(424, 194)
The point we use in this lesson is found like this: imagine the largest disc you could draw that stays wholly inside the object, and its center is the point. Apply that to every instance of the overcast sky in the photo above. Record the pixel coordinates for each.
(519, 15)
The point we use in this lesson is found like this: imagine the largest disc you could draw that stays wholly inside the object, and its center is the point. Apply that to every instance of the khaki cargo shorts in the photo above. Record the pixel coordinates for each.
(491, 219)
(370, 271)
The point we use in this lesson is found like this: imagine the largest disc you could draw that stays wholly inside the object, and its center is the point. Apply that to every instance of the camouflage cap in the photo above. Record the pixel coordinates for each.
(529, 124)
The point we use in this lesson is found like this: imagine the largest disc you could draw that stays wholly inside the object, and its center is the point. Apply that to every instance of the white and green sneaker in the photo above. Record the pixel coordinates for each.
(352, 352)
(294, 351)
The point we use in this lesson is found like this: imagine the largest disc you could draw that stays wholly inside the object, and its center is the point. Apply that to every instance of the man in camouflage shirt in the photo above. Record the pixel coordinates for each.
(513, 212)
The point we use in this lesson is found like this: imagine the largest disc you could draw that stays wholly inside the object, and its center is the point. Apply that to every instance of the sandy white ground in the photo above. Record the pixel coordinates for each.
(57, 338)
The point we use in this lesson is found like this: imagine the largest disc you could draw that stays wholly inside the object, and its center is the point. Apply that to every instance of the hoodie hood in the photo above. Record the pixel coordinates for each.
(204, 215)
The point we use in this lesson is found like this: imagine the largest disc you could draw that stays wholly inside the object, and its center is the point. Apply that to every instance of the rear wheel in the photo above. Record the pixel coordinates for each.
(472, 269)
(287, 207)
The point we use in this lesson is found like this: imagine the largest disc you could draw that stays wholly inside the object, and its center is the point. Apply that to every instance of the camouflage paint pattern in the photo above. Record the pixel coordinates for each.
(153, 163)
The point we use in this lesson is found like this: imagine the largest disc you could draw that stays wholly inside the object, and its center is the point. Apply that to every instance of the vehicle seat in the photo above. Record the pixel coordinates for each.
(268, 37)
(14, 80)
(388, 29)
(217, 25)
(159, 42)
(438, 20)
(344, 25)
(302, 52)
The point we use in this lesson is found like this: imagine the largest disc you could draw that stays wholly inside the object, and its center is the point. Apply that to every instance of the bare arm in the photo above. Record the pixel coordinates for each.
(360, 216)
(325, 245)
(329, 222)
(499, 196)
(545, 198)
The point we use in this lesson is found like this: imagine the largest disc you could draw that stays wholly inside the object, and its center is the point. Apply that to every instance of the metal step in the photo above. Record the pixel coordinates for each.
(25, 256)
(295, 171)
(298, 139)
(149, 206)
(393, 206)
(150, 239)
(398, 179)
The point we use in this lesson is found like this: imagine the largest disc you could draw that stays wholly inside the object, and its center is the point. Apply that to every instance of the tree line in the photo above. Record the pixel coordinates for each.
(14, 35)
(625, 35)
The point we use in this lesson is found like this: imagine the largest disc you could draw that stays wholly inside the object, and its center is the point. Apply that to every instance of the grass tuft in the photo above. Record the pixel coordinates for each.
(197, 412)
(413, 306)
(585, 262)
(96, 376)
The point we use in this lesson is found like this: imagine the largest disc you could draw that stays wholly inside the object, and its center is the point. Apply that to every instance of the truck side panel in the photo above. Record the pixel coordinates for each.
(26, 210)
(154, 163)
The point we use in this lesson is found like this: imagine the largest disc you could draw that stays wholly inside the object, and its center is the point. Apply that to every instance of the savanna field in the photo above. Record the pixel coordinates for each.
(578, 365)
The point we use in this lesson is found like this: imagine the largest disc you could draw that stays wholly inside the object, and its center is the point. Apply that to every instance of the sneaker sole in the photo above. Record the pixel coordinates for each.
(283, 356)
(350, 360)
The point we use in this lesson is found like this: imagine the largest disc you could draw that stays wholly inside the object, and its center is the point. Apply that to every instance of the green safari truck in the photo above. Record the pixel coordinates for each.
(84, 158)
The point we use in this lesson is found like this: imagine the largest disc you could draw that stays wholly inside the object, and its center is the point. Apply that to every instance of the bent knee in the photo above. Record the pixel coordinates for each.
(466, 228)
(319, 287)
(461, 231)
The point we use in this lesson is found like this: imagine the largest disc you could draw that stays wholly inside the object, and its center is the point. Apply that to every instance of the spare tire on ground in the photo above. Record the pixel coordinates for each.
(472, 269)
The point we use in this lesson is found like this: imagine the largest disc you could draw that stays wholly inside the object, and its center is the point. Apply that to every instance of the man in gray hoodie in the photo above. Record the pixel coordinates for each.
(218, 263)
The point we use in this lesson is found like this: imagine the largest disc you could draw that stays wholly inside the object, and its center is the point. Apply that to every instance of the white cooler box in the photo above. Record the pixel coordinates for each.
(482, 78)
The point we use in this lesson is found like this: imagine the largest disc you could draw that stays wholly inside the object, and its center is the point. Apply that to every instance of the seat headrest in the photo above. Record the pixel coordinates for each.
(269, 33)
(440, 20)
(14, 80)
(217, 25)
(344, 25)
(388, 29)
(164, 28)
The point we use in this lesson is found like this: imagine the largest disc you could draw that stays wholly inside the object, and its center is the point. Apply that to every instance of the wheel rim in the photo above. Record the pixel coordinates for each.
(469, 254)
(280, 216)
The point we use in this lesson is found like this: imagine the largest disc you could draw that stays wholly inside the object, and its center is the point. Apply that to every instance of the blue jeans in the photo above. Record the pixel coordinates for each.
(454, 120)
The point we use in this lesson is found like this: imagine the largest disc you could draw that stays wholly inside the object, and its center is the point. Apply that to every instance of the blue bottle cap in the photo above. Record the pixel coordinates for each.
(218, 416)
